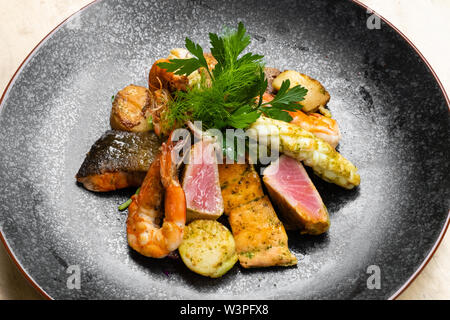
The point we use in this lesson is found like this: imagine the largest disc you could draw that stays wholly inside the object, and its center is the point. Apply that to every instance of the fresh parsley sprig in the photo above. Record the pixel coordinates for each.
(187, 66)
(285, 100)
(227, 49)
(244, 117)
(228, 100)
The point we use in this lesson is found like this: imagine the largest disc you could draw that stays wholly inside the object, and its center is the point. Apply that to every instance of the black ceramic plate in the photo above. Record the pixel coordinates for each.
(391, 110)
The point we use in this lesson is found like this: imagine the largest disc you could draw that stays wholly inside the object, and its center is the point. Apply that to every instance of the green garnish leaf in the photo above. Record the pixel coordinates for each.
(277, 114)
(243, 117)
(285, 100)
(249, 58)
(232, 96)
(218, 51)
(237, 42)
(227, 49)
(197, 51)
(263, 83)
(150, 122)
(126, 204)
(187, 66)
(181, 66)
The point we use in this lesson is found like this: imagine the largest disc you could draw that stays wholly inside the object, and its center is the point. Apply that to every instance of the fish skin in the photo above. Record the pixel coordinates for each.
(118, 160)
(260, 237)
(310, 218)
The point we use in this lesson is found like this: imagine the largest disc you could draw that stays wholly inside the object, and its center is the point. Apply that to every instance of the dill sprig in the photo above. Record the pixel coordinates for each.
(231, 94)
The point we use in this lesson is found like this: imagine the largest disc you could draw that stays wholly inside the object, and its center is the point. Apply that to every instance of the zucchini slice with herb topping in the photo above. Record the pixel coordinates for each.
(208, 248)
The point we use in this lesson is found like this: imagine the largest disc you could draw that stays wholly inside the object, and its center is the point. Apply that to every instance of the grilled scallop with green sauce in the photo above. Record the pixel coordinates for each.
(208, 248)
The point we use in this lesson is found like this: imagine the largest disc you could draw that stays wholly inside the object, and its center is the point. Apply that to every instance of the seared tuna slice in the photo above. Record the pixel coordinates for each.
(201, 183)
(295, 196)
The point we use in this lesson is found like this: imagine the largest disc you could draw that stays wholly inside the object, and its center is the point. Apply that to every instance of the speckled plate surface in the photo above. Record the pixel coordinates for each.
(391, 110)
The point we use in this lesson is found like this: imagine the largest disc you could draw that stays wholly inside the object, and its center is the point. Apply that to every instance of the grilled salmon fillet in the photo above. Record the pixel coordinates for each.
(240, 184)
(118, 160)
(260, 237)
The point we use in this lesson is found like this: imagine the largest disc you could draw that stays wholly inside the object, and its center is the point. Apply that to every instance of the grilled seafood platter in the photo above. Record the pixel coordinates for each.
(216, 148)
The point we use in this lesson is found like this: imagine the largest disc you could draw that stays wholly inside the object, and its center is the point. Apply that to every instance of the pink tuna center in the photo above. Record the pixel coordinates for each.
(202, 187)
(293, 183)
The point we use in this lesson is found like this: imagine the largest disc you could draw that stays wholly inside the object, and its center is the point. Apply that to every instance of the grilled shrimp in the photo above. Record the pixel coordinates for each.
(159, 107)
(267, 97)
(159, 77)
(319, 125)
(302, 145)
(145, 211)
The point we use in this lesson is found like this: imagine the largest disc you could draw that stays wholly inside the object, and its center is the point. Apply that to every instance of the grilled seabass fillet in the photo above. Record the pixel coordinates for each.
(118, 160)
(201, 183)
(260, 238)
(240, 184)
(295, 196)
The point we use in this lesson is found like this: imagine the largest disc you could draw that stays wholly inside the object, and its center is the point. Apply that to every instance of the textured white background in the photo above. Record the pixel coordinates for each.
(23, 23)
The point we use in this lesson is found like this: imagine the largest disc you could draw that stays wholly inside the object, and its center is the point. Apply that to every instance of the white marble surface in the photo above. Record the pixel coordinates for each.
(23, 23)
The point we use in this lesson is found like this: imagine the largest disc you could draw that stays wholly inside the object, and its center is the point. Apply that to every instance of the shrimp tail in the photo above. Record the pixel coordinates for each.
(144, 214)
(159, 77)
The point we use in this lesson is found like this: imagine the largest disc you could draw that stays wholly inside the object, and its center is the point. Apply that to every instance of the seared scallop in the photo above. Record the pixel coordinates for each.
(131, 109)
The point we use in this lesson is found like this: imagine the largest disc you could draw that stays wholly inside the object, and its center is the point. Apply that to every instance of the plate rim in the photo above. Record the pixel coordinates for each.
(446, 225)
(394, 296)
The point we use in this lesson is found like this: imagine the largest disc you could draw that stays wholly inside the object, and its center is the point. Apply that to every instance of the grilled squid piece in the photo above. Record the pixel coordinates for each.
(302, 145)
